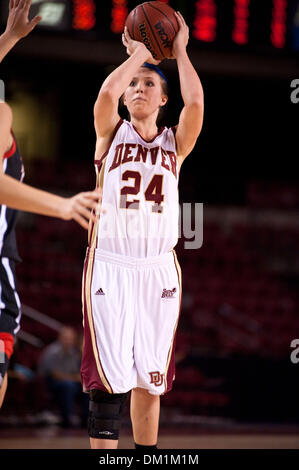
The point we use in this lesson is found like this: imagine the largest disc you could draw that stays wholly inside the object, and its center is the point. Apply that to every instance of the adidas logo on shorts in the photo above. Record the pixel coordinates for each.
(168, 294)
(100, 292)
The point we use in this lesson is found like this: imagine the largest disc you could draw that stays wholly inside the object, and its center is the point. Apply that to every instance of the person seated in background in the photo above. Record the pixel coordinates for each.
(60, 366)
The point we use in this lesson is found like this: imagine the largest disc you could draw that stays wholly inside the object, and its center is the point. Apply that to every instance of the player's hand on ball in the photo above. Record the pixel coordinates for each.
(132, 45)
(182, 37)
(79, 207)
(18, 24)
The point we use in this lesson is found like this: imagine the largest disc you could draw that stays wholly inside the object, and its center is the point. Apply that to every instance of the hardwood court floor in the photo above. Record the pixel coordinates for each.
(77, 439)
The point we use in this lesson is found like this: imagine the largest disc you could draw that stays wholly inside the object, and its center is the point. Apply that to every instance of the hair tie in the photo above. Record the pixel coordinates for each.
(156, 69)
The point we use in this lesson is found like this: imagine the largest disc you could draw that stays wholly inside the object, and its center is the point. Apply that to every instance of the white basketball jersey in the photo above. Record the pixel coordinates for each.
(139, 180)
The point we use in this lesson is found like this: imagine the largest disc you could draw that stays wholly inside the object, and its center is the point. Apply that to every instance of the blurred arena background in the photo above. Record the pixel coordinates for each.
(236, 384)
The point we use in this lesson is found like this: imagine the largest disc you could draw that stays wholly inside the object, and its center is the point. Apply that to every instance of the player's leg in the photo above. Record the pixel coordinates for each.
(3, 387)
(103, 443)
(156, 325)
(6, 349)
(10, 315)
(145, 413)
(154, 346)
(104, 420)
(107, 359)
(107, 370)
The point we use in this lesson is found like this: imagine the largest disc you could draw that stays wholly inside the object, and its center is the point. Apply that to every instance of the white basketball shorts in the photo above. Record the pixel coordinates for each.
(131, 308)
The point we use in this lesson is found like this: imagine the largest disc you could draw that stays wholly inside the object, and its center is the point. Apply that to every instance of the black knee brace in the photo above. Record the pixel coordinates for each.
(105, 411)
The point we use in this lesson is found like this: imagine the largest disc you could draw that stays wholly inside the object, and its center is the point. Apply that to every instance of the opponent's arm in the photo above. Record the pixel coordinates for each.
(20, 196)
(18, 26)
(106, 106)
(5, 127)
(26, 198)
(191, 117)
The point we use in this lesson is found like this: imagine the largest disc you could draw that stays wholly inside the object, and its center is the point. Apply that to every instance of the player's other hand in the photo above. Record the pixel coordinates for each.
(82, 207)
(182, 37)
(132, 45)
(18, 24)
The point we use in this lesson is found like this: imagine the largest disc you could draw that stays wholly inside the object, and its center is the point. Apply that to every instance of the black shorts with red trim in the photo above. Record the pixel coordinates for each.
(10, 313)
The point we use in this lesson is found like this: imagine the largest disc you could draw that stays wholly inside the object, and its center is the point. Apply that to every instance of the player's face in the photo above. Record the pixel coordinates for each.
(144, 95)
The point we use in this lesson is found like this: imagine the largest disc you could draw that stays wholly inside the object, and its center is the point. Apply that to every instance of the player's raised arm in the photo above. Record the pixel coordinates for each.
(18, 25)
(106, 106)
(191, 117)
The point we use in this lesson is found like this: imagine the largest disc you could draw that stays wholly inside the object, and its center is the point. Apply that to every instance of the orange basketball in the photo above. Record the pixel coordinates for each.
(154, 24)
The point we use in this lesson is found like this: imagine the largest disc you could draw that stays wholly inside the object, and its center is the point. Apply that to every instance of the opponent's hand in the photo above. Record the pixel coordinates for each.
(18, 24)
(79, 207)
(132, 45)
(182, 37)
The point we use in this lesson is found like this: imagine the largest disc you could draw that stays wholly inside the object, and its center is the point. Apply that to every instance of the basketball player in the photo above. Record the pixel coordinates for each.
(16, 195)
(132, 283)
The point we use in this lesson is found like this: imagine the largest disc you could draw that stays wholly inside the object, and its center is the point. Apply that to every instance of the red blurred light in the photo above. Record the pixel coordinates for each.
(278, 23)
(84, 17)
(241, 16)
(205, 22)
(119, 14)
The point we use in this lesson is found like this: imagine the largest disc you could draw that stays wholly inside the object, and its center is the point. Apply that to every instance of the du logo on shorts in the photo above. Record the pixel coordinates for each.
(156, 378)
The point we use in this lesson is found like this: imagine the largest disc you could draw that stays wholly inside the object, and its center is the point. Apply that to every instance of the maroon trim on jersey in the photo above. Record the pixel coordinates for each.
(89, 371)
(152, 140)
(99, 161)
(171, 368)
(174, 129)
(12, 150)
(94, 224)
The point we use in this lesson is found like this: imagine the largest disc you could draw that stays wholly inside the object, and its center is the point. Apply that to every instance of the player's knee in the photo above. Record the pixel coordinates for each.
(145, 393)
(140, 390)
(105, 412)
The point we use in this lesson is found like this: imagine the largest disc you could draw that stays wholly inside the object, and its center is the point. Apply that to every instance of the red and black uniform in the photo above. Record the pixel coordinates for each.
(10, 307)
